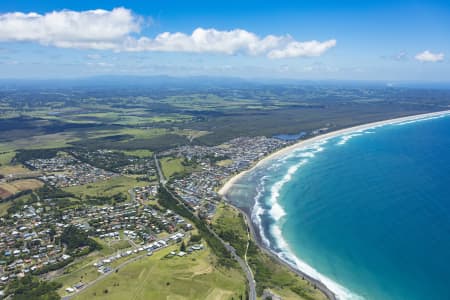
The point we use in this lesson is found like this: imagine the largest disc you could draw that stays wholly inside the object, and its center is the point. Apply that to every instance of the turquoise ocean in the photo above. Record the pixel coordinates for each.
(367, 213)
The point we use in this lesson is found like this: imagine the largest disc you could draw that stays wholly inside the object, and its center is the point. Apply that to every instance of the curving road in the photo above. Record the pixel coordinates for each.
(242, 263)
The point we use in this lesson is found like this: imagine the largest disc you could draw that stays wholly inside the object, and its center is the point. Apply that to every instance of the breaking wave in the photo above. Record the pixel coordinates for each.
(268, 205)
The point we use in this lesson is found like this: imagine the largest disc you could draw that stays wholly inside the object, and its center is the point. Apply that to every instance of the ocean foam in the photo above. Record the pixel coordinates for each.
(287, 255)
(258, 210)
(423, 119)
(281, 247)
(276, 212)
(346, 138)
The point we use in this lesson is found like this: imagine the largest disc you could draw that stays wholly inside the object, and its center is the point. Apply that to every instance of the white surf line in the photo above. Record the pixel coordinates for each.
(287, 255)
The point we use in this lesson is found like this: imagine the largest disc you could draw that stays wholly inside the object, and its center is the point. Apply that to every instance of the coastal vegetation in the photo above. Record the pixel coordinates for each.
(230, 226)
(268, 273)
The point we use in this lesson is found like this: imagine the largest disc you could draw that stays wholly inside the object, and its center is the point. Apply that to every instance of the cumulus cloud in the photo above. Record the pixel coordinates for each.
(119, 29)
(229, 42)
(427, 56)
(296, 49)
(92, 29)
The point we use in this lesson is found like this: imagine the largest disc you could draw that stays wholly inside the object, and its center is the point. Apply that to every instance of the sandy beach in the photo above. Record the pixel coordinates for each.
(305, 143)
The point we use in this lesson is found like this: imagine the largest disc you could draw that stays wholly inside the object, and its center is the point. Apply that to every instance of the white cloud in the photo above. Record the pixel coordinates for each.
(92, 29)
(428, 56)
(296, 49)
(230, 43)
(117, 29)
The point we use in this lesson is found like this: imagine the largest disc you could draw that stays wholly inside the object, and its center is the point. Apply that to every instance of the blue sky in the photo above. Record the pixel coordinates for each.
(373, 40)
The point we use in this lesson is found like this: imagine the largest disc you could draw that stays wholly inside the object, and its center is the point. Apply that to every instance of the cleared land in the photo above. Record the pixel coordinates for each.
(10, 188)
(156, 277)
(171, 166)
(105, 188)
(13, 170)
(142, 153)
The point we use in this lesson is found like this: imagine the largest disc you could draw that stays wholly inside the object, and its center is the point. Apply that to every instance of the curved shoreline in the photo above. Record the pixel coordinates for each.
(302, 144)
(326, 136)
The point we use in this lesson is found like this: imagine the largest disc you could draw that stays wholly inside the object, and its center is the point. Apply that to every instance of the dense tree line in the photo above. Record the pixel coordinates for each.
(30, 287)
(110, 161)
(167, 200)
(24, 155)
(102, 200)
(53, 267)
(48, 192)
(75, 238)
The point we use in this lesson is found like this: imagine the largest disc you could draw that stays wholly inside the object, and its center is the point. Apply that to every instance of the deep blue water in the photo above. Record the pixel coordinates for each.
(370, 212)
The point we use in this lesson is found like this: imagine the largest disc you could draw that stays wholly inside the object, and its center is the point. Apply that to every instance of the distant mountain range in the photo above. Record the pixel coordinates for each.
(162, 81)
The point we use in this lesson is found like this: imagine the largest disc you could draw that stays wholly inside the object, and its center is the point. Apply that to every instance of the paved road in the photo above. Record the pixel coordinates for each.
(103, 276)
(161, 177)
(242, 263)
(109, 273)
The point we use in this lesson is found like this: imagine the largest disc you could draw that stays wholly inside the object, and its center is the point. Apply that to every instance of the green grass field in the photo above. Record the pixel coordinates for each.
(142, 153)
(120, 184)
(156, 277)
(131, 117)
(83, 269)
(6, 157)
(171, 165)
(224, 163)
(47, 141)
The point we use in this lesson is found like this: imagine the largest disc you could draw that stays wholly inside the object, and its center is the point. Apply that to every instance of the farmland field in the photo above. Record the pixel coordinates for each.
(10, 188)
